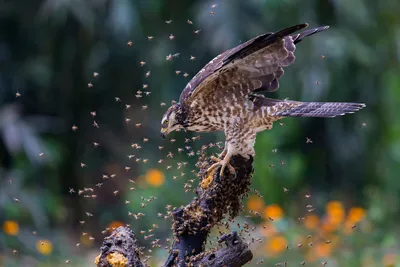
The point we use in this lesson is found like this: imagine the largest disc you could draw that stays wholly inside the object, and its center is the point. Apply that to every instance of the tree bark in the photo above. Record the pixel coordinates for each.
(119, 249)
(216, 197)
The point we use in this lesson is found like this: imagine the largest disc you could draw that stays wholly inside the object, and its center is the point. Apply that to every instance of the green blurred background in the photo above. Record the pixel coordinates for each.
(61, 61)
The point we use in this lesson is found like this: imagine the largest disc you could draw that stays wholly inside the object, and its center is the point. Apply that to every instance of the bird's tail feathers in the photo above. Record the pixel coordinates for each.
(320, 109)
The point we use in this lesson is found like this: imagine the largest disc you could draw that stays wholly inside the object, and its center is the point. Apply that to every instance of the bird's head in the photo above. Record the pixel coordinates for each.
(173, 119)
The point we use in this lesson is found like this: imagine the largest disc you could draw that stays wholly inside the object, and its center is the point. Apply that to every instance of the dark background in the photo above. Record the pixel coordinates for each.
(49, 51)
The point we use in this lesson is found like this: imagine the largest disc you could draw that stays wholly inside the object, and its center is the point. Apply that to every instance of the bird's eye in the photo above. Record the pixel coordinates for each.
(166, 121)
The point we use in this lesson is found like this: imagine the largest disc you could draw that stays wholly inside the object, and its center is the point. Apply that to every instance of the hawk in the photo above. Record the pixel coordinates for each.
(225, 94)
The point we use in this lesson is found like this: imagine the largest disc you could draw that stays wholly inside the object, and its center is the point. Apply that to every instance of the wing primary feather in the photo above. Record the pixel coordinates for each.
(299, 37)
(287, 31)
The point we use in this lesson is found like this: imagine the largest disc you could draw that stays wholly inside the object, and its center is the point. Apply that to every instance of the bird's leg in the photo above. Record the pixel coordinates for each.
(223, 153)
(220, 156)
(232, 132)
(224, 162)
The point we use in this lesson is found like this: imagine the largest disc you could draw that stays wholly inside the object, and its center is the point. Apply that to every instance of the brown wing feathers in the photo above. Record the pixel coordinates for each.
(258, 62)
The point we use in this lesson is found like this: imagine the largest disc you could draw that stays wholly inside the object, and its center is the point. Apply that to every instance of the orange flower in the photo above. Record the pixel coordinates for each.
(255, 203)
(274, 212)
(356, 214)
(276, 245)
(323, 250)
(330, 224)
(311, 221)
(335, 215)
(44, 247)
(114, 225)
(155, 177)
(389, 259)
(333, 206)
(11, 227)
(336, 218)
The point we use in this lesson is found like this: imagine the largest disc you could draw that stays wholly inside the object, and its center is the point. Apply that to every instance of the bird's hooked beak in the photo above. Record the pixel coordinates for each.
(164, 132)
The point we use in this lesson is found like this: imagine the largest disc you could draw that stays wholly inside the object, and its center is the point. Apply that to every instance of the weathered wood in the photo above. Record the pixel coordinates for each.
(119, 249)
(235, 254)
(216, 198)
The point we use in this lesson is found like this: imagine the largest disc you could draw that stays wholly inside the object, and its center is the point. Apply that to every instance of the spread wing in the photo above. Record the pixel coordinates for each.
(253, 66)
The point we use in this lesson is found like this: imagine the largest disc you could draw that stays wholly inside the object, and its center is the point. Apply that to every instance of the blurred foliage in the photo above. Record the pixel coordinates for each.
(70, 110)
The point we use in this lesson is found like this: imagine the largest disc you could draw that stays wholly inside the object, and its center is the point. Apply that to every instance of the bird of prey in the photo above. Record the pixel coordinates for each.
(225, 94)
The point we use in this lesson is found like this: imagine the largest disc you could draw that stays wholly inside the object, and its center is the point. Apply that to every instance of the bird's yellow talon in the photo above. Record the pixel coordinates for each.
(221, 162)
(216, 159)
(223, 154)
(212, 167)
